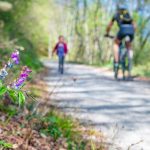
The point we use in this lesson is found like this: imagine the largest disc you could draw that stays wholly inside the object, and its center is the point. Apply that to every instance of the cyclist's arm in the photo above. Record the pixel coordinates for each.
(134, 25)
(109, 27)
(114, 18)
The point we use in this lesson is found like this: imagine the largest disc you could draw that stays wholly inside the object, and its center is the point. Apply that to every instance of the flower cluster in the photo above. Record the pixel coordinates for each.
(22, 78)
(13, 89)
(3, 73)
(14, 59)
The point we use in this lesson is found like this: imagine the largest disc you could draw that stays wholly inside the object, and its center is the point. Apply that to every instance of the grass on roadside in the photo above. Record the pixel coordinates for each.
(5, 145)
(63, 128)
(142, 70)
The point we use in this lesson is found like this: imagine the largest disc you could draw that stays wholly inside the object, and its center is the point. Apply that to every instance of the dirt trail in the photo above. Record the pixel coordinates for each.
(119, 109)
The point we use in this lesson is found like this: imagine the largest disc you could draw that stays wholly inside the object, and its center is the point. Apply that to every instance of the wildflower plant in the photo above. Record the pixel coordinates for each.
(14, 89)
(22, 78)
(14, 60)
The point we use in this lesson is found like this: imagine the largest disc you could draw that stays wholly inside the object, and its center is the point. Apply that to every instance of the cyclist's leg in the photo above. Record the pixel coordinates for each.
(117, 47)
(122, 59)
(116, 54)
(130, 57)
(130, 54)
(116, 50)
(116, 58)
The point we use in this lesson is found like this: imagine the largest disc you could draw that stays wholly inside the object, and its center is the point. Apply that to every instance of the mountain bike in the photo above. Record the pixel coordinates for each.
(125, 61)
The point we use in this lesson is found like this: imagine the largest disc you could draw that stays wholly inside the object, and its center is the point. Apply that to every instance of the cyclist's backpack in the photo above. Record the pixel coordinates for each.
(126, 26)
(125, 17)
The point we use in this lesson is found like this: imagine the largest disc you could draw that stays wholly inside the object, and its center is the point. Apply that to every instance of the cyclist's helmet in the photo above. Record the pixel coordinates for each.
(121, 7)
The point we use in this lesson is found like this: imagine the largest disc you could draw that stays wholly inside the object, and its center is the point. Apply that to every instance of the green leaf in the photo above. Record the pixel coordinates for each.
(3, 90)
(52, 119)
(13, 95)
(4, 144)
(22, 98)
(1, 84)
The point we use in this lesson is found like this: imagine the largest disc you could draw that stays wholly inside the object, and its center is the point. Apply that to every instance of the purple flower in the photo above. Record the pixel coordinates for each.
(22, 78)
(15, 57)
(9, 65)
(24, 75)
(27, 70)
(20, 81)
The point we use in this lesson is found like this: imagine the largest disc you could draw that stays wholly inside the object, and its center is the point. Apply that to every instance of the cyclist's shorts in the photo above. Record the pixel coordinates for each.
(126, 30)
(122, 36)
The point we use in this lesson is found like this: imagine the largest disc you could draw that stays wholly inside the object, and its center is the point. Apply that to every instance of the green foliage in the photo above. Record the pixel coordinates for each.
(13, 95)
(142, 70)
(53, 131)
(10, 110)
(18, 97)
(3, 90)
(21, 98)
(5, 145)
(86, 28)
(18, 30)
(59, 126)
(37, 30)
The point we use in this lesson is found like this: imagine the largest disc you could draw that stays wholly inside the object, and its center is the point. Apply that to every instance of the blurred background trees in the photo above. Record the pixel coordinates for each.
(89, 25)
(36, 25)
(24, 24)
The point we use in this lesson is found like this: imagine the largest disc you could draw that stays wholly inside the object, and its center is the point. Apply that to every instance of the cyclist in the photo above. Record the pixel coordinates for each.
(126, 29)
(61, 51)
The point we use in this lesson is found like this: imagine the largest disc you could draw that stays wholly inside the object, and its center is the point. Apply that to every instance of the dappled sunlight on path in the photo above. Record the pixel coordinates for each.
(119, 109)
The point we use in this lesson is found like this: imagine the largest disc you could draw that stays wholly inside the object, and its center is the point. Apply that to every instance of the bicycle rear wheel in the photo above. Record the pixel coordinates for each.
(129, 64)
(116, 70)
(123, 64)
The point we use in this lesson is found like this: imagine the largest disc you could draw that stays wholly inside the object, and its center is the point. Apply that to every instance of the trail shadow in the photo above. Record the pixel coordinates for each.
(98, 100)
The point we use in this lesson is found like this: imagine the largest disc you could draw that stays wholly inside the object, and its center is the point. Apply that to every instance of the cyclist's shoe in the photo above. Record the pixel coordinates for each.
(116, 66)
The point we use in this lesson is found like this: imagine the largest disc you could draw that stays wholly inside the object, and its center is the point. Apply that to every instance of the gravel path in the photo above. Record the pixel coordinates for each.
(120, 109)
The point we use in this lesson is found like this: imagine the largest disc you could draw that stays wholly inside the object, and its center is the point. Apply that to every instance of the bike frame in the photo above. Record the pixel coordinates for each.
(124, 59)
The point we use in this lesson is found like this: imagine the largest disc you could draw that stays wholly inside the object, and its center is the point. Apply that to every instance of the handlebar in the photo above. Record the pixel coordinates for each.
(109, 36)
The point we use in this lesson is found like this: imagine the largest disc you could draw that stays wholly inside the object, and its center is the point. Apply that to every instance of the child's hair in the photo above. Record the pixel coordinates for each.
(61, 36)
